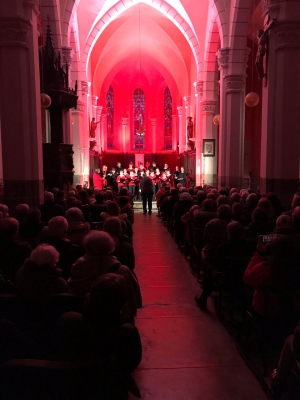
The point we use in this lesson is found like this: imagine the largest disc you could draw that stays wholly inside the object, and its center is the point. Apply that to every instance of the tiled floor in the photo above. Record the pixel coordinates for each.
(187, 354)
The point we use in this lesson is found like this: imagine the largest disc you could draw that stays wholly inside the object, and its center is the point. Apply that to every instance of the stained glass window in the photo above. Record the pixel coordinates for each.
(168, 119)
(138, 120)
(110, 117)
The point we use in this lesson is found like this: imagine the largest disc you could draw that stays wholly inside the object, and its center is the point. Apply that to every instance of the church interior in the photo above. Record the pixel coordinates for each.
(208, 87)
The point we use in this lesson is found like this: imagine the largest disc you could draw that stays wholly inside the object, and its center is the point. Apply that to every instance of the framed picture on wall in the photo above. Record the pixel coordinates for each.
(209, 147)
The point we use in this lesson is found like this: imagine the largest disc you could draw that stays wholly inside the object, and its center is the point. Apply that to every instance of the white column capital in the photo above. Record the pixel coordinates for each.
(14, 32)
(67, 55)
(94, 100)
(208, 106)
(187, 101)
(153, 121)
(85, 87)
(198, 88)
(99, 111)
(124, 121)
(223, 57)
(80, 107)
(234, 83)
(179, 110)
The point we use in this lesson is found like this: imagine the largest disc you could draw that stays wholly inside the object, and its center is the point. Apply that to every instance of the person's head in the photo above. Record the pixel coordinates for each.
(131, 164)
(235, 230)
(125, 171)
(113, 226)
(284, 221)
(113, 208)
(98, 243)
(166, 166)
(74, 214)
(44, 255)
(295, 201)
(21, 212)
(201, 196)
(176, 168)
(209, 205)
(296, 213)
(154, 164)
(121, 173)
(235, 197)
(181, 169)
(157, 171)
(174, 192)
(123, 201)
(252, 200)
(97, 170)
(79, 187)
(131, 173)
(185, 196)
(107, 297)
(48, 197)
(224, 212)
(222, 199)
(123, 191)
(99, 198)
(9, 228)
(58, 227)
(4, 210)
(259, 214)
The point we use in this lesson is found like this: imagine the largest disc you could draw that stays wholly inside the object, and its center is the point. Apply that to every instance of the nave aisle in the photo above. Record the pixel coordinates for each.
(187, 354)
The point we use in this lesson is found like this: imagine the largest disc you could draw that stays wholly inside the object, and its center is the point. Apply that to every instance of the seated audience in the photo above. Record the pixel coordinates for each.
(124, 251)
(57, 237)
(113, 210)
(98, 260)
(40, 276)
(13, 251)
(99, 335)
(49, 209)
(77, 227)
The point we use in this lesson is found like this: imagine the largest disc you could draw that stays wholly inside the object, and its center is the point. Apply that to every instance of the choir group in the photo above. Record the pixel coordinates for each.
(130, 177)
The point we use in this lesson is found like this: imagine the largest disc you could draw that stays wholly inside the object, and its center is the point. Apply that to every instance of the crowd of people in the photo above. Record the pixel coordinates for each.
(130, 177)
(82, 244)
(252, 242)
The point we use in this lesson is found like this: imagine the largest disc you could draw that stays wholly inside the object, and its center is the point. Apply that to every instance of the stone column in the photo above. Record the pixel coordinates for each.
(180, 130)
(85, 132)
(153, 129)
(280, 103)
(197, 132)
(208, 110)
(124, 124)
(103, 129)
(94, 100)
(67, 56)
(174, 133)
(232, 123)
(99, 139)
(187, 106)
(79, 139)
(20, 104)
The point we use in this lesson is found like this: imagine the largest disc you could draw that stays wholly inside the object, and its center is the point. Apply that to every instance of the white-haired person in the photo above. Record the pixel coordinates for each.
(98, 260)
(40, 276)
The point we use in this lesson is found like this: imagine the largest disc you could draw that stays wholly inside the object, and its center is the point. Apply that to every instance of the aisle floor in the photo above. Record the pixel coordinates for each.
(187, 353)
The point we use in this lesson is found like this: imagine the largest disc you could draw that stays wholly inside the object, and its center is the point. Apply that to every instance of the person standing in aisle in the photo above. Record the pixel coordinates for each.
(147, 193)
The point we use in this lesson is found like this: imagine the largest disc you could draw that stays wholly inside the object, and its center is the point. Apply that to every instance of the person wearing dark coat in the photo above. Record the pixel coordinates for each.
(49, 209)
(147, 193)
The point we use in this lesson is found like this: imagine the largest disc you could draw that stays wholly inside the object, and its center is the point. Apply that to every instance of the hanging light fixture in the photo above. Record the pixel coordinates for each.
(252, 98)
(141, 130)
(45, 100)
(216, 119)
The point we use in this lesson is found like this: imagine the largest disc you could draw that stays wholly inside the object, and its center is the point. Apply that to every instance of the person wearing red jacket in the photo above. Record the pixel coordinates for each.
(121, 180)
(132, 182)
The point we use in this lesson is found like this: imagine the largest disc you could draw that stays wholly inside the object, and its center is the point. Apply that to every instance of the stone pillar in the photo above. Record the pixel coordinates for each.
(232, 123)
(20, 104)
(78, 142)
(187, 106)
(197, 132)
(174, 133)
(94, 100)
(280, 103)
(124, 124)
(98, 138)
(210, 167)
(153, 129)
(103, 129)
(180, 131)
(85, 132)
